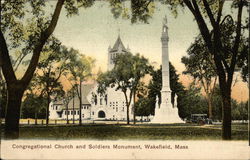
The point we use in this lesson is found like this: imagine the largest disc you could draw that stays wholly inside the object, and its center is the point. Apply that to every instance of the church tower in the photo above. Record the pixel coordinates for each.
(118, 48)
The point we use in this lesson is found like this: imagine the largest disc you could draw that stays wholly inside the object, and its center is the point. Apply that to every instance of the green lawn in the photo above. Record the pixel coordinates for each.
(130, 132)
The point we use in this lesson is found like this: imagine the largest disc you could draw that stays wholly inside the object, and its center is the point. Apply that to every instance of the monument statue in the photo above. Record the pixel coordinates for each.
(165, 113)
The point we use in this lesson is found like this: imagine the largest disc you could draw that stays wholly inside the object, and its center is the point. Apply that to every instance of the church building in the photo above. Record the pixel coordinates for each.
(110, 106)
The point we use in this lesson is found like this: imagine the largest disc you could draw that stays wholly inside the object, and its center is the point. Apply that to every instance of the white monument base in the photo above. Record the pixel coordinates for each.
(166, 114)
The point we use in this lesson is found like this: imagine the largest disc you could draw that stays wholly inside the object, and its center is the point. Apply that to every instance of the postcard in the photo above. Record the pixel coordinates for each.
(113, 79)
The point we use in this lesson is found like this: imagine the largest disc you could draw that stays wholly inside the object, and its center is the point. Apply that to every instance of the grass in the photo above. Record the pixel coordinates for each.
(131, 132)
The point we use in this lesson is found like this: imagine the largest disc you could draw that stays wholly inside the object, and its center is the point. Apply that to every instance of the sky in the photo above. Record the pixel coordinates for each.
(95, 29)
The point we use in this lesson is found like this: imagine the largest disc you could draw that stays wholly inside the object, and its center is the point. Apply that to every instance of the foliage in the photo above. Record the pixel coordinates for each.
(192, 102)
(25, 29)
(125, 76)
(80, 66)
(78, 69)
(51, 67)
(154, 89)
(200, 65)
(217, 104)
(240, 111)
(34, 104)
(134, 12)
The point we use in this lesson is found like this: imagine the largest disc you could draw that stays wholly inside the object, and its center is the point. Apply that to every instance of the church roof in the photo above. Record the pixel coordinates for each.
(86, 89)
(58, 102)
(118, 44)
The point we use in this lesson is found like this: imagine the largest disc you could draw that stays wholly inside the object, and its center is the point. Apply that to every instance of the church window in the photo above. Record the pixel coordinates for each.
(113, 107)
(106, 99)
(84, 107)
(100, 101)
(93, 113)
(116, 109)
(123, 109)
(95, 99)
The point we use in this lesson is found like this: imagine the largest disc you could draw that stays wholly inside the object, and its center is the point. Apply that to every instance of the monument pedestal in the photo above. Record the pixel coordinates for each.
(166, 114)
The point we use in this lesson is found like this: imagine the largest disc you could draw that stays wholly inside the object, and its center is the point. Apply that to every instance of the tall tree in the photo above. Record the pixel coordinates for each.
(68, 96)
(210, 17)
(79, 69)
(14, 34)
(52, 65)
(140, 68)
(33, 106)
(192, 102)
(125, 76)
(200, 65)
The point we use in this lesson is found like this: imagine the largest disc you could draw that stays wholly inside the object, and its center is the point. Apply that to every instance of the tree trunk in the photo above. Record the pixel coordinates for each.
(209, 101)
(134, 107)
(47, 110)
(127, 114)
(74, 107)
(15, 94)
(226, 113)
(36, 118)
(80, 107)
(67, 115)
(127, 104)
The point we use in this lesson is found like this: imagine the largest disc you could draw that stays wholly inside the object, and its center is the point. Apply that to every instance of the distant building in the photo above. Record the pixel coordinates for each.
(110, 106)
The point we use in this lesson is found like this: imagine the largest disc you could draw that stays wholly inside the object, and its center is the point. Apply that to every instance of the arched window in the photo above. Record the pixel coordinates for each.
(100, 101)
(101, 114)
(95, 99)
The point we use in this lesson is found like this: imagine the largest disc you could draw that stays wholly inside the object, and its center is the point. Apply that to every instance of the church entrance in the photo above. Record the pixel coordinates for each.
(101, 114)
